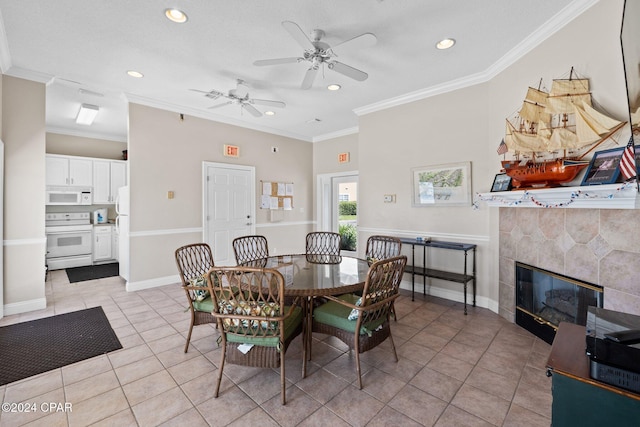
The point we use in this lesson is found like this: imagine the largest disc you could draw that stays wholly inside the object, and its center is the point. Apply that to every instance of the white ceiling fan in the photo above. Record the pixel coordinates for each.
(240, 96)
(318, 53)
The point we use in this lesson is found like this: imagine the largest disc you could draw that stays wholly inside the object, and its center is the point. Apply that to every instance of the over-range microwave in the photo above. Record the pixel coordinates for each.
(68, 196)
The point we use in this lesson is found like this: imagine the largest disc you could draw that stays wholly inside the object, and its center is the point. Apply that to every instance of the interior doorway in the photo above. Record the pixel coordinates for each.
(338, 208)
(229, 207)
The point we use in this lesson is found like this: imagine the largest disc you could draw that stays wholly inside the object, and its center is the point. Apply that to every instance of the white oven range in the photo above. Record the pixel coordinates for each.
(69, 240)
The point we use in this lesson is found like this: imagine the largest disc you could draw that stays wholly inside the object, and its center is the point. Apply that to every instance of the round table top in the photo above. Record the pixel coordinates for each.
(317, 275)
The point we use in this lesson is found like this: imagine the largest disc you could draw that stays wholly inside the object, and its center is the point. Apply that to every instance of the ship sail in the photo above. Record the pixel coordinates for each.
(558, 122)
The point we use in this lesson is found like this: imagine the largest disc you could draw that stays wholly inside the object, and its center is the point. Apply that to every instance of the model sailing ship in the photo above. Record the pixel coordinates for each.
(552, 133)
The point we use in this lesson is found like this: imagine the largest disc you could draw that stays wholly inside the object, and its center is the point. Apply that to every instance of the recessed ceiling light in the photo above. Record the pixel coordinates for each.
(445, 44)
(334, 87)
(176, 15)
(136, 74)
(269, 113)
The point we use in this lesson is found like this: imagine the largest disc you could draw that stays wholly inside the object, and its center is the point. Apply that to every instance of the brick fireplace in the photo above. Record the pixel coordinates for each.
(600, 246)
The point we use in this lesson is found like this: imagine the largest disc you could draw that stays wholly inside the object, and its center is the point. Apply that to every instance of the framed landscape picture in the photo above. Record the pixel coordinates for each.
(442, 185)
(604, 167)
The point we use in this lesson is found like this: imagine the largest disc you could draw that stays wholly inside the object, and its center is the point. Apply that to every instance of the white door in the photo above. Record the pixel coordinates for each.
(229, 207)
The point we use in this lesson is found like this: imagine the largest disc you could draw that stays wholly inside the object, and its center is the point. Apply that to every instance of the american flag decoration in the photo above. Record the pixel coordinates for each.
(628, 161)
(502, 148)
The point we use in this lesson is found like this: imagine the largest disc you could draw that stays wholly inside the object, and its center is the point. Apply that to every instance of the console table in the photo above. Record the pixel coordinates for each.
(578, 399)
(425, 272)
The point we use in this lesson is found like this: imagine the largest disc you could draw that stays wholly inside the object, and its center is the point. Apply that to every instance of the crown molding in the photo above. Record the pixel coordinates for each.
(553, 25)
(149, 102)
(336, 134)
(26, 74)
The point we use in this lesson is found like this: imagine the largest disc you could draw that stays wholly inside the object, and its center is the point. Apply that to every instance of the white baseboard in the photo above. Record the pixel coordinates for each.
(25, 306)
(452, 295)
(152, 283)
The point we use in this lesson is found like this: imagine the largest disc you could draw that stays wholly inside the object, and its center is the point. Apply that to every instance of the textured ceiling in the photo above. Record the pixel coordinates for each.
(83, 48)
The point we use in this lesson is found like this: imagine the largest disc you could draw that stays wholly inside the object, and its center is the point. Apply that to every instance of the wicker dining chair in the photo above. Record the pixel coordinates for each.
(381, 247)
(249, 306)
(363, 322)
(250, 248)
(194, 261)
(323, 243)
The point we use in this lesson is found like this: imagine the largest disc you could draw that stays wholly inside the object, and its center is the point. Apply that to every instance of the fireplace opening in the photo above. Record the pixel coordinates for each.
(544, 299)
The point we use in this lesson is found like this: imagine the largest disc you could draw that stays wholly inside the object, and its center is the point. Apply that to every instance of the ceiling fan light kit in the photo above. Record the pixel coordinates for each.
(318, 53)
(240, 96)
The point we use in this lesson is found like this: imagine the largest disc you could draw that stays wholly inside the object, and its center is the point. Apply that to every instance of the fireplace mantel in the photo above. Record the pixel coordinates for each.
(610, 196)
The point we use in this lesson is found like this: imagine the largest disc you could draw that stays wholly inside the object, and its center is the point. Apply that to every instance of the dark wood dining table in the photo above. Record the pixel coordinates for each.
(317, 275)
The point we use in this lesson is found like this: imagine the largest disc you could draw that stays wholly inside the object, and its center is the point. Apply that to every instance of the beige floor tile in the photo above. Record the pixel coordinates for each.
(390, 417)
(322, 385)
(191, 418)
(21, 391)
(490, 370)
(456, 417)
(226, 408)
(436, 384)
(481, 404)
(92, 386)
(418, 405)
(191, 369)
(161, 408)
(355, 406)
(98, 408)
(322, 418)
(140, 369)
(450, 366)
(85, 369)
(31, 409)
(299, 406)
(147, 387)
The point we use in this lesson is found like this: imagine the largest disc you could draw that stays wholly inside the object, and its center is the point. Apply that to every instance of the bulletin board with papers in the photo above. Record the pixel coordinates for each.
(276, 195)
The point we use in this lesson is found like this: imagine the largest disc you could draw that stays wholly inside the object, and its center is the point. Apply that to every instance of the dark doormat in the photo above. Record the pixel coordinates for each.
(91, 272)
(37, 346)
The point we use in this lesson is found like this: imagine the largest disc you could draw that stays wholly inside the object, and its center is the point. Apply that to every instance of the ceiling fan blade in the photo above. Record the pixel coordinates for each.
(309, 78)
(220, 105)
(348, 71)
(213, 94)
(268, 103)
(358, 42)
(251, 109)
(297, 33)
(262, 62)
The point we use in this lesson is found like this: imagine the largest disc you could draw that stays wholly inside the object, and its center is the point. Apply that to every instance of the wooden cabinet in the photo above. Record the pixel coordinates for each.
(579, 400)
(65, 170)
(102, 242)
(108, 176)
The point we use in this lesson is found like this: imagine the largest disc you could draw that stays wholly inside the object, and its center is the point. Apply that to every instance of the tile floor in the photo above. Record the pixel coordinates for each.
(454, 370)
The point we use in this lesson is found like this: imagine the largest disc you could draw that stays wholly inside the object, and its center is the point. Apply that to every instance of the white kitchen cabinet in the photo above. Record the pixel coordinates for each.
(65, 170)
(102, 243)
(108, 176)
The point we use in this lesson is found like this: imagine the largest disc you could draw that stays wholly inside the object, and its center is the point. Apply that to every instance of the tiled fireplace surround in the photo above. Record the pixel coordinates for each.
(601, 246)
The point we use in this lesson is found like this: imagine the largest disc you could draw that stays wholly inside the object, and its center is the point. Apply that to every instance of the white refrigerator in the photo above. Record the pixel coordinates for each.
(122, 228)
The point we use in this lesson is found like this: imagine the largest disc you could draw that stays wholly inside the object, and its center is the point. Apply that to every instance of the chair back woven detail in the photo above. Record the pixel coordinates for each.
(193, 262)
(381, 289)
(381, 247)
(372, 310)
(249, 305)
(323, 243)
(250, 248)
(248, 301)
